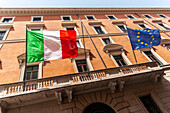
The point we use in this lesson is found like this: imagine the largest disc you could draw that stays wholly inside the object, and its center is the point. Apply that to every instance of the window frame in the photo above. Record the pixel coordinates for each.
(163, 15)
(154, 97)
(130, 15)
(101, 38)
(7, 17)
(122, 53)
(105, 32)
(31, 28)
(65, 28)
(40, 69)
(163, 24)
(32, 18)
(6, 34)
(121, 29)
(111, 15)
(154, 53)
(149, 15)
(90, 15)
(66, 16)
(144, 25)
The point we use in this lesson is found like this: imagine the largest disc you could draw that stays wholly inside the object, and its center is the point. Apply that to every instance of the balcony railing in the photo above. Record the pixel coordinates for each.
(18, 88)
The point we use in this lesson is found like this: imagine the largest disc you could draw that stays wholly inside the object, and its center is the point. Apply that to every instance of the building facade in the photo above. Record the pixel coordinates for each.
(103, 78)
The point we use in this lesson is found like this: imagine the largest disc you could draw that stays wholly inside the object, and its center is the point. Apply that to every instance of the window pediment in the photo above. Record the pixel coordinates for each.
(165, 43)
(64, 24)
(112, 47)
(81, 51)
(118, 22)
(157, 21)
(95, 23)
(36, 25)
(6, 25)
(138, 21)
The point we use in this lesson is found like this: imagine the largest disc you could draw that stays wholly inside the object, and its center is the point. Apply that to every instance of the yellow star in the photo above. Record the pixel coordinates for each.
(146, 44)
(150, 42)
(141, 42)
(145, 30)
(138, 32)
(148, 30)
(150, 33)
(137, 36)
(138, 40)
(152, 36)
(153, 39)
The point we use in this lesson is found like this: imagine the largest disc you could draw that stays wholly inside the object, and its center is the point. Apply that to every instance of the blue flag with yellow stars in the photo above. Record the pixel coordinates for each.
(144, 38)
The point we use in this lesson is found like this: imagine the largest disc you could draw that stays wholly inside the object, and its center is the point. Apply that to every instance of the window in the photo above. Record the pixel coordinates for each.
(32, 72)
(163, 16)
(90, 17)
(120, 61)
(164, 26)
(78, 43)
(99, 30)
(152, 57)
(106, 41)
(150, 104)
(7, 19)
(36, 18)
(71, 28)
(130, 16)
(122, 28)
(142, 26)
(81, 65)
(111, 17)
(66, 18)
(2, 34)
(147, 16)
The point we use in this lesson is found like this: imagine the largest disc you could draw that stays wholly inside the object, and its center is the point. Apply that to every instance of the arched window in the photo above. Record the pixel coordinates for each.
(98, 108)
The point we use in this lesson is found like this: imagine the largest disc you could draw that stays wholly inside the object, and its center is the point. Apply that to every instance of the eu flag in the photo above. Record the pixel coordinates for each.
(144, 38)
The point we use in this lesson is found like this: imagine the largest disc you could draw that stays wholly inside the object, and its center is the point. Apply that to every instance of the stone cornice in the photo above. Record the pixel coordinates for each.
(70, 11)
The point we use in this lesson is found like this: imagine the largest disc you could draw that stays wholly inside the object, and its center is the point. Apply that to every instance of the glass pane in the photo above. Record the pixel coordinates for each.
(122, 28)
(7, 20)
(120, 61)
(147, 16)
(70, 28)
(35, 68)
(152, 57)
(142, 26)
(35, 75)
(78, 43)
(162, 25)
(150, 104)
(111, 17)
(99, 30)
(85, 67)
(37, 19)
(130, 16)
(29, 68)
(80, 69)
(162, 16)
(66, 18)
(28, 75)
(106, 41)
(90, 17)
(2, 33)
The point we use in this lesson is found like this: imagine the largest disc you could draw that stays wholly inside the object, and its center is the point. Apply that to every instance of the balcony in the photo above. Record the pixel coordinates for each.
(78, 83)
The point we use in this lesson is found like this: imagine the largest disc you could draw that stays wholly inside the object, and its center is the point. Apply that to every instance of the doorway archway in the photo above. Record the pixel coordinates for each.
(98, 108)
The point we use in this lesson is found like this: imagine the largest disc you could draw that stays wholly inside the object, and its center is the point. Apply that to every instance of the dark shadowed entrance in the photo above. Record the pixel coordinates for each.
(98, 108)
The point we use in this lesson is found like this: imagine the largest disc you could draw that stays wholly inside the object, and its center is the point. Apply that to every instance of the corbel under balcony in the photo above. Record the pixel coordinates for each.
(165, 43)
(64, 24)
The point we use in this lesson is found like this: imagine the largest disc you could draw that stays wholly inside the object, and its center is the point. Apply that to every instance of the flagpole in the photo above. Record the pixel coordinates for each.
(131, 45)
(151, 24)
(92, 42)
(25, 71)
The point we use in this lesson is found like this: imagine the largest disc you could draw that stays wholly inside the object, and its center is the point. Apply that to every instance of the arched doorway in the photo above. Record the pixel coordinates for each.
(98, 108)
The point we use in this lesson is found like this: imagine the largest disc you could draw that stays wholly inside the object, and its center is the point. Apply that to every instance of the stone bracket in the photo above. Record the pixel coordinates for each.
(58, 96)
(121, 85)
(3, 106)
(69, 94)
(112, 86)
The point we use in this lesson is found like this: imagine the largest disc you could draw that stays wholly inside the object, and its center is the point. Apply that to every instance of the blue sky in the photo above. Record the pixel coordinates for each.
(84, 3)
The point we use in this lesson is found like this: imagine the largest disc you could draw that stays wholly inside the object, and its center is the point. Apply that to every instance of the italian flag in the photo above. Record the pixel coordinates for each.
(51, 45)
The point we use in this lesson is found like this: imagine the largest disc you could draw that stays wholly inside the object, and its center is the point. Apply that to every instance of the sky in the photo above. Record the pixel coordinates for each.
(84, 3)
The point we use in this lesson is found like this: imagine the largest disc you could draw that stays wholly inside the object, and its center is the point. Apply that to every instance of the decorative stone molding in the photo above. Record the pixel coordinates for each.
(36, 25)
(58, 96)
(70, 11)
(118, 22)
(138, 21)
